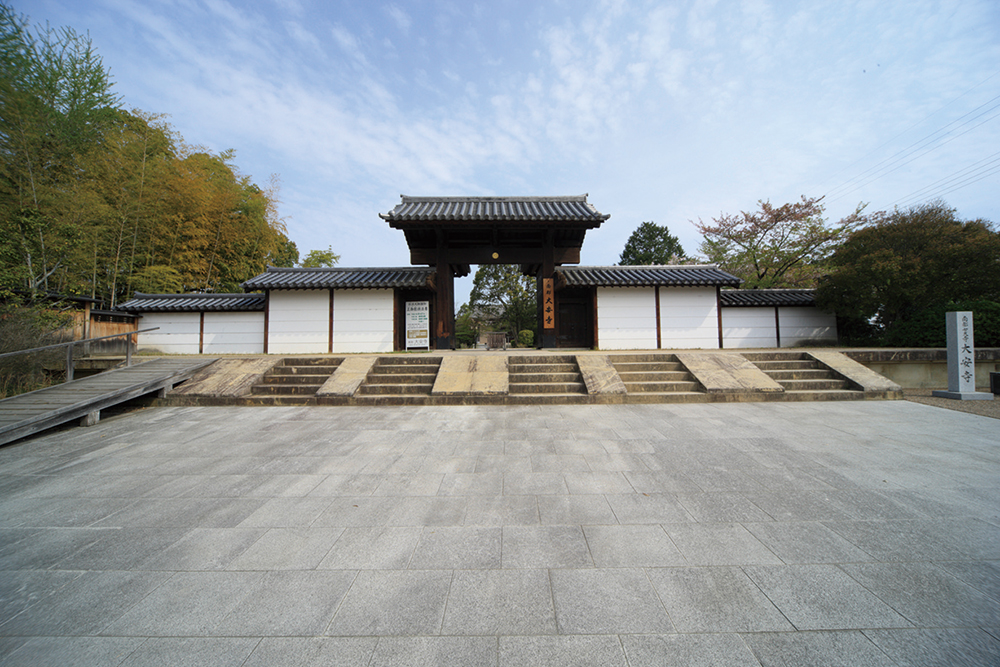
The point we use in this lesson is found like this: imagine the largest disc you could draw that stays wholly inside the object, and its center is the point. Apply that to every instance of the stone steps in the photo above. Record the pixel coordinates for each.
(802, 377)
(294, 381)
(654, 375)
(664, 387)
(399, 381)
(545, 375)
(543, 379)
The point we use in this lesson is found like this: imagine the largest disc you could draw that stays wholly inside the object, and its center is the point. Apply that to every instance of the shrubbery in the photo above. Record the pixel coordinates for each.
(22, 328)
(927, 327)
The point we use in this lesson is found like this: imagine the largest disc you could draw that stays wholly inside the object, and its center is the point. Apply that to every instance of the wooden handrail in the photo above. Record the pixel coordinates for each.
(69, 348)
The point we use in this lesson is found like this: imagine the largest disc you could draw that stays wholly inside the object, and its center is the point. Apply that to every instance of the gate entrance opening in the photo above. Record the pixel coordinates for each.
(536, 233)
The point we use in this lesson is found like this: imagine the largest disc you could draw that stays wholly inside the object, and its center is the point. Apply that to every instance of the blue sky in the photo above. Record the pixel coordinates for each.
(662, 111)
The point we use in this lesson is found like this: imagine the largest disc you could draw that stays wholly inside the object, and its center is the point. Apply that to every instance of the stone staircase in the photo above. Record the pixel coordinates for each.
(545, 379)
(399, 380)
(657, 378)
(294, 381)
(802, 377)
(540, 379)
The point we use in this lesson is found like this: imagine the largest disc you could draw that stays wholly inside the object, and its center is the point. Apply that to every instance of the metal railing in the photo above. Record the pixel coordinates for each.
(83, 341)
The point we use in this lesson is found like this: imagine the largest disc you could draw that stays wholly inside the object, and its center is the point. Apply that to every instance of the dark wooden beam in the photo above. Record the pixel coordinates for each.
(549, 326)
(777, 328)
(484, 255)
(659, 332)
(267, 316)
(329, 344)
(718, 310)
(444, 325)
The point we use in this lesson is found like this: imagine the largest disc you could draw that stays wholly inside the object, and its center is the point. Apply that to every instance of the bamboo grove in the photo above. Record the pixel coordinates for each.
(99, 201)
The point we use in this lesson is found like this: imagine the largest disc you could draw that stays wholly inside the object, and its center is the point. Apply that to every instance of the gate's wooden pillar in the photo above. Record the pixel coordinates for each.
(444, 315)
(549, 320)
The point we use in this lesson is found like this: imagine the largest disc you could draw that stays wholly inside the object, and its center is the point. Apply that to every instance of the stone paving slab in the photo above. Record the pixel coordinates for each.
(860, 376)
(479, 375)
(228, 377)
(727, 372)
(348, 376)
(599, 374)
(717, 534)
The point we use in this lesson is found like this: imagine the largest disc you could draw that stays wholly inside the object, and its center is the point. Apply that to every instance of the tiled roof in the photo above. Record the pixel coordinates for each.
(153, 303)
(767, 297)
(646, 276)
(573, 209)
(341, 278)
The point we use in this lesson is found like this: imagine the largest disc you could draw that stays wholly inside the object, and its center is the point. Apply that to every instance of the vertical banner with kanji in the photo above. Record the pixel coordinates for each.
(548, 303)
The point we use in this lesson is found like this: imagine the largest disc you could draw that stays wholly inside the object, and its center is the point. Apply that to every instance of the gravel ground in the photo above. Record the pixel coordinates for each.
(981, 408)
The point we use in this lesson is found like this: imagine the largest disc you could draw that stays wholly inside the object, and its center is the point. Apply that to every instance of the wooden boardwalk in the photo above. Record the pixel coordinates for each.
(83, 399)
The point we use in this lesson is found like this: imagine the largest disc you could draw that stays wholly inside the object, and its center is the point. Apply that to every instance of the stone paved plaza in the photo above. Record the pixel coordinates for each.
(854, 533)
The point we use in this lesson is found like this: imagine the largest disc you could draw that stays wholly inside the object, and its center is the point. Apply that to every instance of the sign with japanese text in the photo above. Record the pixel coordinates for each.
(961, 352)
(966, 354)
(548, 303)
(961, 360)
(418, 324)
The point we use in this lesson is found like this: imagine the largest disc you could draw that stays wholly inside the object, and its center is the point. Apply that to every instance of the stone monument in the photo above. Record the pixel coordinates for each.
(961, 360)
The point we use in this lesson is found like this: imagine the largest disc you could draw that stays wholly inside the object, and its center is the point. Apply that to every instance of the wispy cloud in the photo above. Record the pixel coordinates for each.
(399, 17)
(666, 111)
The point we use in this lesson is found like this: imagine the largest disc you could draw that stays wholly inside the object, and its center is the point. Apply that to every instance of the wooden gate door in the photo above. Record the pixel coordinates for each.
(575, 320)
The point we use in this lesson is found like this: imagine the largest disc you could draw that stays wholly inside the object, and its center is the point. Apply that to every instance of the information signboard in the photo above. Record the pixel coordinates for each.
(418, 324)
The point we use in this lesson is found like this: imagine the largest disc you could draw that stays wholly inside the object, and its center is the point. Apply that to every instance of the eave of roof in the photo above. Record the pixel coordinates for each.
(150, 303)
(572, 210)
(343, 278)
(707, 275)
(748, 298)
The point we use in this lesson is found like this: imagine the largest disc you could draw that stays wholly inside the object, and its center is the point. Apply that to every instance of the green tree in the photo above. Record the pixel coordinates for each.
(782, 246)
(101, 201)
(651, 244)
(55, 101)
(466, 327)
(503, 294)
(285, 254)
(911, 260)
(318, 258)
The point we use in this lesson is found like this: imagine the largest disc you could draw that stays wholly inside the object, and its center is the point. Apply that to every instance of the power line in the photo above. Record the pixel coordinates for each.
(899, 159)
(917, 124)
(974, 173)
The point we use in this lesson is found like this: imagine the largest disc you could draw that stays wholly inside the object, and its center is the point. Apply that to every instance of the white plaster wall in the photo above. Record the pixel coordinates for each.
(748, 327)
(178, 332)
(800, 325)
(362, 320)
(626, 318)
(688, 318)
(234, 333)
(298, 322)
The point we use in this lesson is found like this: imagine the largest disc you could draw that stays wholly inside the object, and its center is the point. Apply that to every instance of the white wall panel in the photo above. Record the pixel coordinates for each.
(363, 321)
(748, 327)
(802, 325)
(688, 318)
(298, 322)
(178, 333)
(626, 318)
(234, 333)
